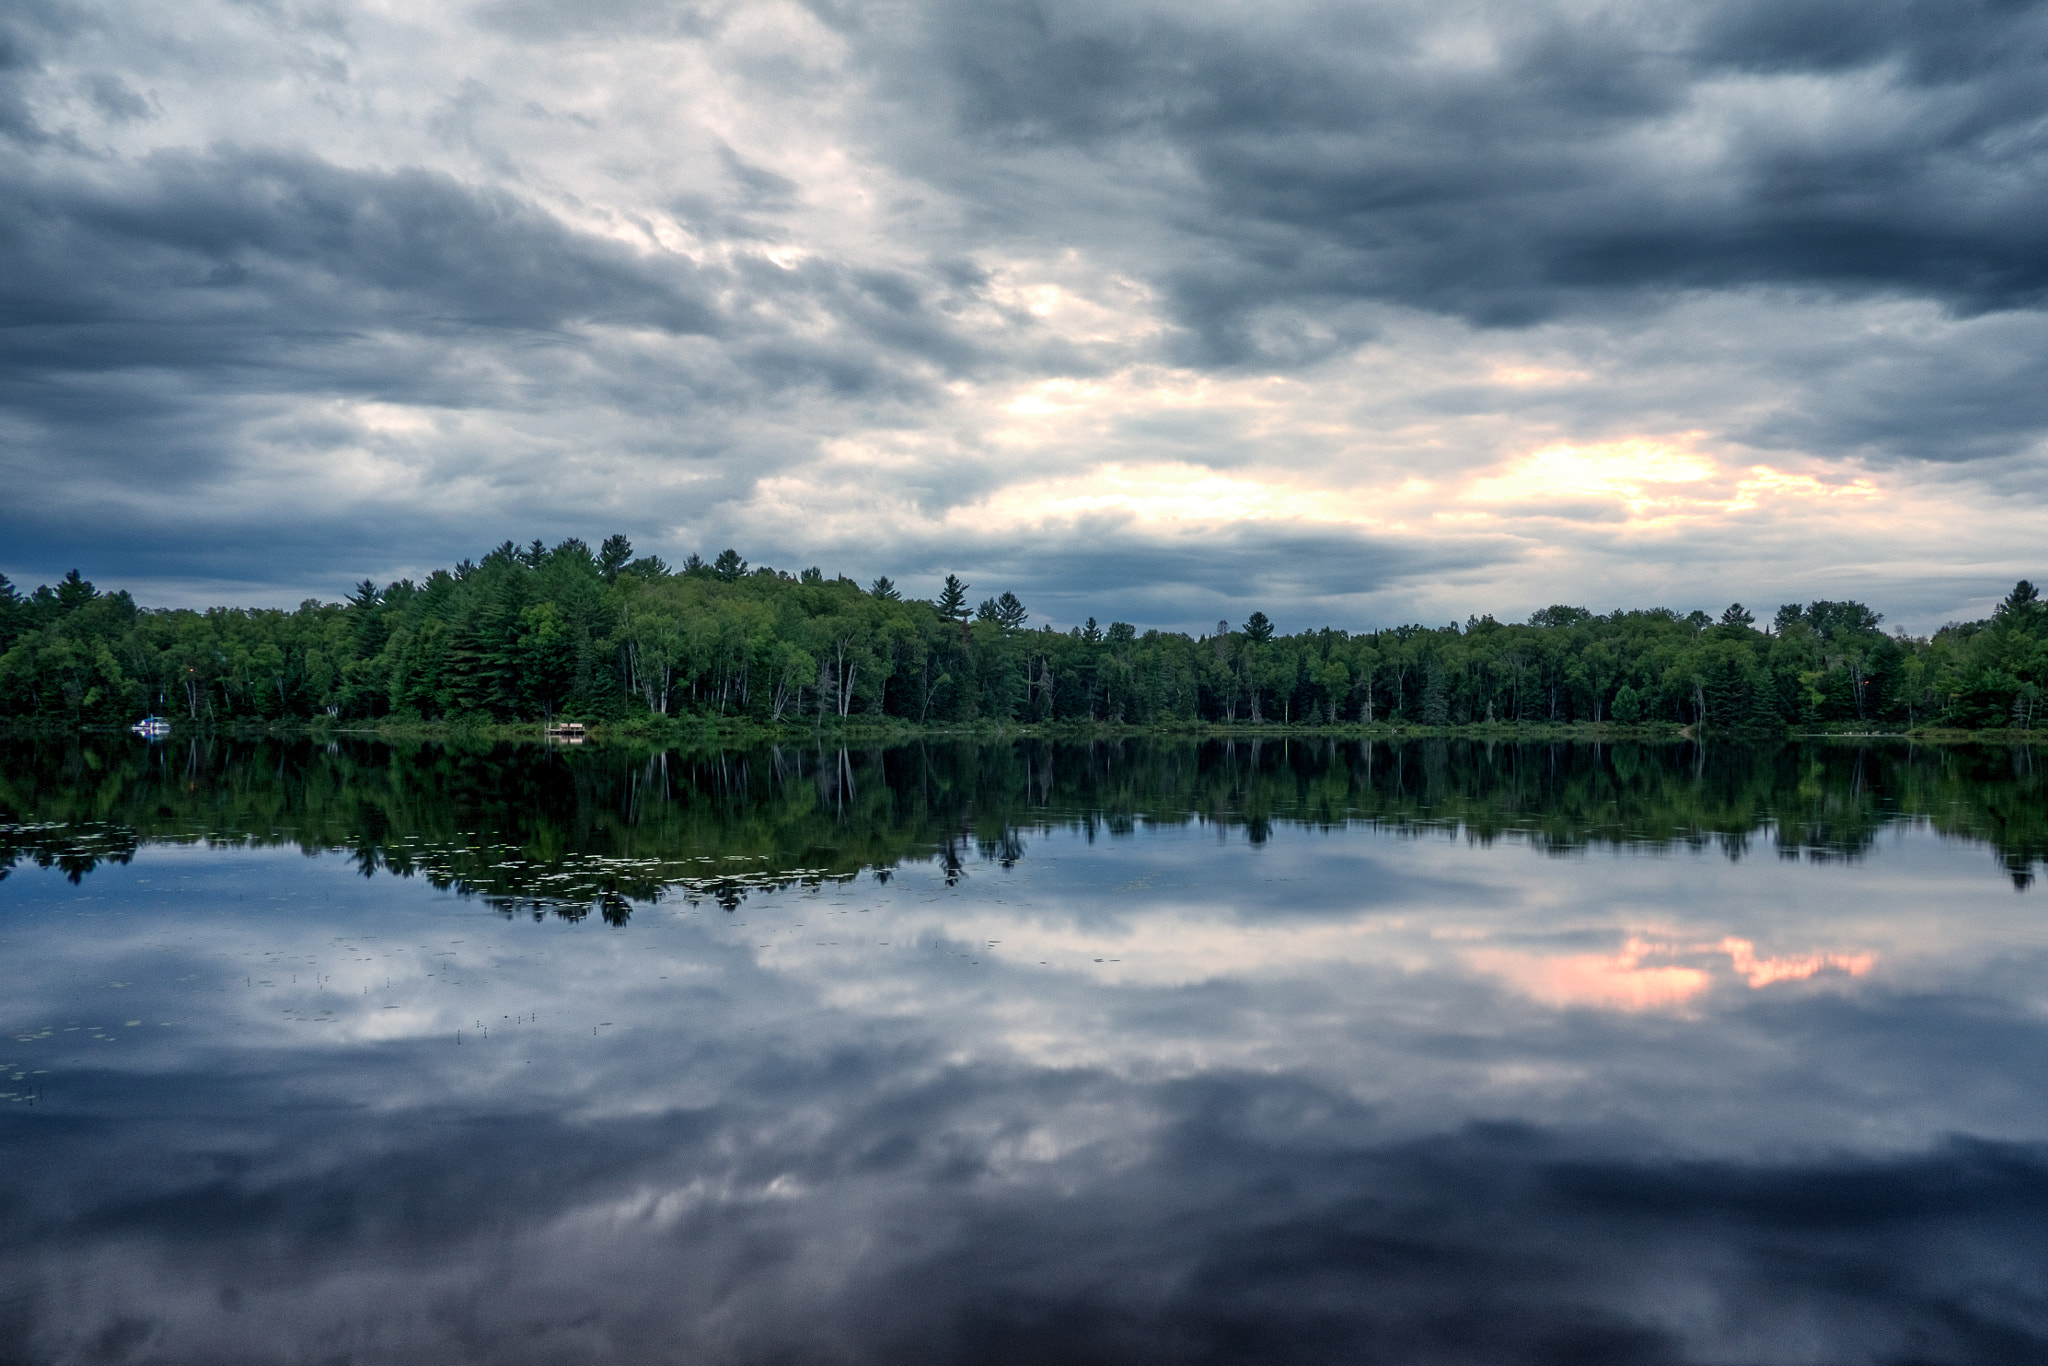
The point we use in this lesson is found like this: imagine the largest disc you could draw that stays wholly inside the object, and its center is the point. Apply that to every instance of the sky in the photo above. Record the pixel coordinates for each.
(1356, 314)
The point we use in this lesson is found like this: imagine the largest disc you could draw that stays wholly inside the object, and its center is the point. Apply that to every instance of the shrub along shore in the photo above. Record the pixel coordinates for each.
(723, 651)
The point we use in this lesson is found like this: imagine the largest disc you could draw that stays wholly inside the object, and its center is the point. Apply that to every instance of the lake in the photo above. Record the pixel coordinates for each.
(1135, 1052)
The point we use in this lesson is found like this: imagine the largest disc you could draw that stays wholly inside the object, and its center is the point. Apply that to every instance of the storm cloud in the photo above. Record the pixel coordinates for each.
(1510, 164)
(299, 294)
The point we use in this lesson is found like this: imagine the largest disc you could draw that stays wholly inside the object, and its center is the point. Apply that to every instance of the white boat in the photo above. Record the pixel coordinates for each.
(154, 727)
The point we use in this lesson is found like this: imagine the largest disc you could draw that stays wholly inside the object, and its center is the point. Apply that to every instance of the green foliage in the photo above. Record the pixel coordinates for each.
(613, 556)
(1010, 613)
(530, 631)
(952, 603)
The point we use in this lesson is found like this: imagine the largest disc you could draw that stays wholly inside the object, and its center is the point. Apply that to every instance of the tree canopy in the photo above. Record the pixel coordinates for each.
(536, 631)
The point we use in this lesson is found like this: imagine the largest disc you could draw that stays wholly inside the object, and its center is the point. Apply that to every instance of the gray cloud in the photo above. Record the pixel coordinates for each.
(1333, 159)
(1301, 574)
(627, 301)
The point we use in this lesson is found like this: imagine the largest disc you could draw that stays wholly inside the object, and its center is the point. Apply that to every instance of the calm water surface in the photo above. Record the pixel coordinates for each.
(1018, 1054)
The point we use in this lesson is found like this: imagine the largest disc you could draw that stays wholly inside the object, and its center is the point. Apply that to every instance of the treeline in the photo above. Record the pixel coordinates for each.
(564, 632)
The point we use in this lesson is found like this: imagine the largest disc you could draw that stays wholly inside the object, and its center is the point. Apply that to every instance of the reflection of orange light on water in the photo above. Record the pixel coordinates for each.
(1625, 981)
(1609, 981)
(1761, 972)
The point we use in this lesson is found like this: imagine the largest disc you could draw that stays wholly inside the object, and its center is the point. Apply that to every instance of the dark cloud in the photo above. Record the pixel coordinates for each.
(221, 558)
(1184, 579)
(1335, 159)
(115, 99)
(1932, 43)
(286, 273)
(227, 247)
(763, 187)
(27, 30)
(551, 20)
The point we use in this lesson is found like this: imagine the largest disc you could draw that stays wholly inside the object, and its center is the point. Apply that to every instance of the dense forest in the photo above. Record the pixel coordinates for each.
(567, 632)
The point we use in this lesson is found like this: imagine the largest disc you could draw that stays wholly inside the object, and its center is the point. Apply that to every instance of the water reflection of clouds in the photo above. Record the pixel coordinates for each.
(1064, 963)
(1264, 1134)
(1616, 981)
(1648, 974)
(1227, 1217)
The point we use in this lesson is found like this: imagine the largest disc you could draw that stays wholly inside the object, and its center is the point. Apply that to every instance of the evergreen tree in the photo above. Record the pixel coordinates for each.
(2022, 607)
(615, 554)
(952, 601)
(13, 613)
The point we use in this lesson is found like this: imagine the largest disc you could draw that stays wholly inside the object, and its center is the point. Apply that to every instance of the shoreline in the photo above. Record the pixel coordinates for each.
(699, 732)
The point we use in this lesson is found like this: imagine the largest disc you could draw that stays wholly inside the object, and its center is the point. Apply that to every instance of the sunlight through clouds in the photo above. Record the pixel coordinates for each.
(1653, 481)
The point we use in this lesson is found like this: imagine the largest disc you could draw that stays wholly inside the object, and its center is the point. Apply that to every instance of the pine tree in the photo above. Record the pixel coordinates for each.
(615, 554)
(952, 602)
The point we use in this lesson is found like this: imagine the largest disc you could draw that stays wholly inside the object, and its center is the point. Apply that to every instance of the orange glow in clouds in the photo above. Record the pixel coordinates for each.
(1644, 975)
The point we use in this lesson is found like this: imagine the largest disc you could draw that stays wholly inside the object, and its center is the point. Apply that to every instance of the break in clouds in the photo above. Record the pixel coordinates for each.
(1355, 313)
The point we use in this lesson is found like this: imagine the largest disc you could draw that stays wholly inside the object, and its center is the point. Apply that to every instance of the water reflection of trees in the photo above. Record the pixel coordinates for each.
(598, 830)
(73, 848)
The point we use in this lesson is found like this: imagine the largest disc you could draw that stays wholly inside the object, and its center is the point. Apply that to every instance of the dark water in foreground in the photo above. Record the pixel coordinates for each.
(1132, 1053)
